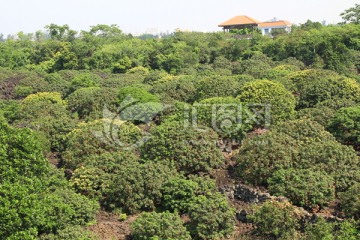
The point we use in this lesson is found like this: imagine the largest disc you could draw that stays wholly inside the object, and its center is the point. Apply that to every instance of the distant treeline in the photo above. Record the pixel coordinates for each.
(108, 48)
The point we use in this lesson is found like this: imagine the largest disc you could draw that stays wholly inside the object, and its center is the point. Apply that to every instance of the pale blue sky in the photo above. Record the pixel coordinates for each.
(135, 16)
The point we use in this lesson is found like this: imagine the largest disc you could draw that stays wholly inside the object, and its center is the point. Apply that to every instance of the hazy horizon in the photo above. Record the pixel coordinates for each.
(140, 16)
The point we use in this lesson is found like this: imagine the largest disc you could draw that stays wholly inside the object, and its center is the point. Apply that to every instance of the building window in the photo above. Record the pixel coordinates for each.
(266, 30)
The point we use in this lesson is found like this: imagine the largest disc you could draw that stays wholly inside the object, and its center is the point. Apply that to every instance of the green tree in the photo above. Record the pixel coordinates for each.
(305, 131)
(319, 230)
(339, 161)
(97, 172)
(20, 153)
(188, 148)
(304, 187)
(96, 138)
(278, 32)
(138, 105)
(137, 94)
(352, 15)
(163, 225)
(211, 217)
(34, 198)
(321, 115)
(265, 92)
(137, 187)
(58, 32)
(182, 89)
(261, 156)
(323, 229)
(275, 219)
(216, 86)
(226, 115)
(311, 25)
(106, 31)
(179, 193)
(315, 86)
(84, 80)
(350, 201)
(46, 112)
(345, 125)
(89, 103)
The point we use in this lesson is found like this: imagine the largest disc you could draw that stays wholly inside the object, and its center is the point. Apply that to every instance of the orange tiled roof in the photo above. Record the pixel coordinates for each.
(239, 20)
(274, 24)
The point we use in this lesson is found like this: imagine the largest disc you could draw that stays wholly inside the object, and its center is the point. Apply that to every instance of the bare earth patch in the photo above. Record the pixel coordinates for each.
(108, 227)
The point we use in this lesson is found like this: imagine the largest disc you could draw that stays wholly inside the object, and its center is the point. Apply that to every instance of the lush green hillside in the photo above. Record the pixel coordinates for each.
(142, 127)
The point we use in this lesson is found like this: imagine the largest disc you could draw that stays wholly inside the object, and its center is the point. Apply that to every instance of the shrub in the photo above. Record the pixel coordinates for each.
(138, 105)
(137, 187)
(137, 94)
(178, 193)
(181, 89)
(256, 65)
(46, 112)
(304, 131)
(98, 137)
(280, 101)
(138, 70)
(319, 230)
(20, 209)
(226, 115)
(216, 86)
(350, 201)
(261, 156)
(315, 86)
(275, 219)
(345, 125)
(341, 162)
(321, 115)
(89, 103)
(322, 229)
(211, 217)
(9, 110)
(31, 84)
(20, 153)
(304, 187)
(84, 80)
(57, 83)
(154, 76)
(64, 207)
(97, 172)
(163, 225)
(188, 148)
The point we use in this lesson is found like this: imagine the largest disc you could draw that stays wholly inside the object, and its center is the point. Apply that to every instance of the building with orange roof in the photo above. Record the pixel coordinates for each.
(245, 22)
(239, 22)
(267, 27)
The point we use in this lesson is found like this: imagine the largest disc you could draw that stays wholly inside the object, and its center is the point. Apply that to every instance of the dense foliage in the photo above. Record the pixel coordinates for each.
(189, 149)
(275, 219)
(154, 128)
(159, 226)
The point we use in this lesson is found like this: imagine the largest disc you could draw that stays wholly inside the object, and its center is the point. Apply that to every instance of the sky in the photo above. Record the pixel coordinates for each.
(139, 16)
